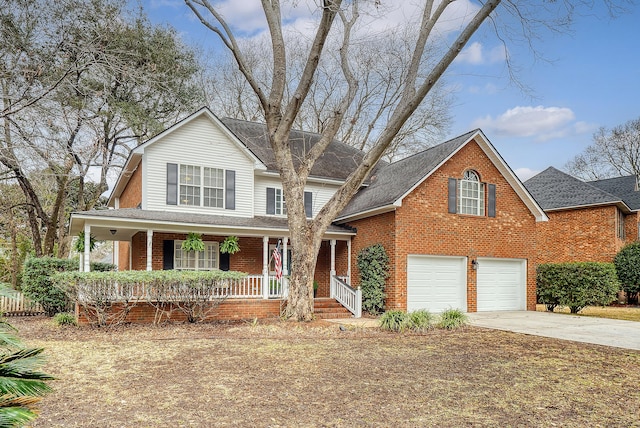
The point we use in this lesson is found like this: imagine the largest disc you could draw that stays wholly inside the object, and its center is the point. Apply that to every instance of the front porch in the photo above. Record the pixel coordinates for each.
(145, 240)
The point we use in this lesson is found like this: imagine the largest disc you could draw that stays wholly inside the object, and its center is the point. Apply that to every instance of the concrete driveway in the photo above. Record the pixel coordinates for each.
(601, 331)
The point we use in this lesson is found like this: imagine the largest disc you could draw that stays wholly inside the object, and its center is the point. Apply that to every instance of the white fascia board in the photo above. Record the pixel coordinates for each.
(619, 204)
(368, 213)
(130, 166)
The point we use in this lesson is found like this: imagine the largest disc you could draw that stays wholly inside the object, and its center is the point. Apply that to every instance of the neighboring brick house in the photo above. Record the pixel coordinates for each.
(588, 221)
(455, 220)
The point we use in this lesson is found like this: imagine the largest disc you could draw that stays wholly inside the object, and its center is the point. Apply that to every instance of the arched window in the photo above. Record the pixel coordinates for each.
(471, 200)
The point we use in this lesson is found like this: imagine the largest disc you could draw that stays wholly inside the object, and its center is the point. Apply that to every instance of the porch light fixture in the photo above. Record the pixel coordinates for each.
(474, 264)
(113, 231)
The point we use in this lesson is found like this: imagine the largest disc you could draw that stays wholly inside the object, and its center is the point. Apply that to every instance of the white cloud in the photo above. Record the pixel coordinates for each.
(525, 173)
(541, 122)
(476, 54)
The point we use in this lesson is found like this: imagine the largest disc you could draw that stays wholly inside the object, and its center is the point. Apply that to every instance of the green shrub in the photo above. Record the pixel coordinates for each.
(373, 264)
(64, 318)
(37, 285)
(577, 285)
(102, 267)
(420, 320)
(627, 263)
(452, 319)
(394, 320)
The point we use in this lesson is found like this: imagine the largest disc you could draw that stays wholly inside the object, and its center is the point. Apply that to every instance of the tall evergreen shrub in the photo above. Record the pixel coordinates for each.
(627, 263)
(373, 263)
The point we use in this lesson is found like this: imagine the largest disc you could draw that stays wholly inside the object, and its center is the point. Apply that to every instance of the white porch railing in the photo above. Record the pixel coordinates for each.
(249, 287)
(349, 297)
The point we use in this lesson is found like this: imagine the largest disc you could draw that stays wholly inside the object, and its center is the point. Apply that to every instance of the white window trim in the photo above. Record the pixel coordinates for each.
(201, 186)
(281, 208)
(479, 207)
(215, 246)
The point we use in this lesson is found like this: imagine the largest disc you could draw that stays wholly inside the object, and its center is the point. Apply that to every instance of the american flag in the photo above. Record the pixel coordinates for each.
(277, 260)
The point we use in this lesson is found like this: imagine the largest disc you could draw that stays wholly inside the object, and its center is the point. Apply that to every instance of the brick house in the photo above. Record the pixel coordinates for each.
(588, 221)
(456, 222)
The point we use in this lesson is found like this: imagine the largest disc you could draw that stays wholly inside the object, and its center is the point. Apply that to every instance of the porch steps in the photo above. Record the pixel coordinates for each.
(327, 308)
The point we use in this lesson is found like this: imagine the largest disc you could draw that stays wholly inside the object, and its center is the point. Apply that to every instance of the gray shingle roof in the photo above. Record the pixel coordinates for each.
(258, 222)
(337, 162)
(554, 189)
(388, 184)
(623, 187)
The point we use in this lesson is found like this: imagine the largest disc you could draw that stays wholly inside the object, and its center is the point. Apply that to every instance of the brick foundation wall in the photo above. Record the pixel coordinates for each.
(231, 309)
(423, 225)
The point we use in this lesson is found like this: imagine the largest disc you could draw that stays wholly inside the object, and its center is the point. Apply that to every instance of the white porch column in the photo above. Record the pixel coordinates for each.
(87, 247)
(349, 261)
(149, 249)
(285, 270)
(265, 267)
(116, 253)
(333, 257)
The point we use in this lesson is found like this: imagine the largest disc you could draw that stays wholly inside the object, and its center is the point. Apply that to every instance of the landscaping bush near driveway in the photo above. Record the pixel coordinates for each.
(576, 285)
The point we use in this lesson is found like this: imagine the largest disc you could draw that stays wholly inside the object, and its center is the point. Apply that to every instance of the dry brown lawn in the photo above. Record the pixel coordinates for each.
(282, 374)
(629, 313)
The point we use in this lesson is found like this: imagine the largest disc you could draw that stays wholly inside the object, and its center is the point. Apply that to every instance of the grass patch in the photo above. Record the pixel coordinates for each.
(613, 312)
(318, 375)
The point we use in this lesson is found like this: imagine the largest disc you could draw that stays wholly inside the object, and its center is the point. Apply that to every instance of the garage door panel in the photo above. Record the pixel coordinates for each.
(501, 284)
(436, 283)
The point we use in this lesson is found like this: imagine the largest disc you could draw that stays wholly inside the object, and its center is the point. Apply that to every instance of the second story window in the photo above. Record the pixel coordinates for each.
(189, 185)
(201, 186)
(620, 226)
(213, 187)
(280, 205)
(471, 199)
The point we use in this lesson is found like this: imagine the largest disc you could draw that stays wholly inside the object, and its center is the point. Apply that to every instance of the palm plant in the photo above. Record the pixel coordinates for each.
(21, 384)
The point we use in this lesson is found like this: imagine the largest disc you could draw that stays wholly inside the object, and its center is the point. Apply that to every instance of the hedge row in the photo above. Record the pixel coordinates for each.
(576, 285)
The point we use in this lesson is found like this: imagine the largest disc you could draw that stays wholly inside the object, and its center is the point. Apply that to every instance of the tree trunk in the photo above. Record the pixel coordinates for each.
(300, 304)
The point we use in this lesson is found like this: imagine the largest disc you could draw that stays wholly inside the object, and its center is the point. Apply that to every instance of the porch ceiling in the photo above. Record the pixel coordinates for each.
(126, 222)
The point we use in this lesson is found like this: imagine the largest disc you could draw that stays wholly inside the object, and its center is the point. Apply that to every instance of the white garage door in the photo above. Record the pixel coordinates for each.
(501, 284)
(436, 283)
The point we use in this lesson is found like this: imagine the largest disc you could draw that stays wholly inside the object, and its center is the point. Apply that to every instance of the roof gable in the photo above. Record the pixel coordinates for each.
(136, 154)
(392, 183)
(554, 190)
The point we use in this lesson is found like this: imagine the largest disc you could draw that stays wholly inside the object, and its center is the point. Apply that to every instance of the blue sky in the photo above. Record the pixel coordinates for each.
(592, 80)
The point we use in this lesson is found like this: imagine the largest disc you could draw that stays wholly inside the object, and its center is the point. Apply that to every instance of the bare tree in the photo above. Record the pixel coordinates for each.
(379, 72)
(120, 80)
(281, 109)
(614, 153)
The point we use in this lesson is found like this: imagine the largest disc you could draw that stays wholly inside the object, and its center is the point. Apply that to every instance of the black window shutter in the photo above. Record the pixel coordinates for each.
(224, 261)
(172, 184)
(308, 204)
(453, 201)
(491, 209)
(230, 190)
(167, 255)
(271, 200)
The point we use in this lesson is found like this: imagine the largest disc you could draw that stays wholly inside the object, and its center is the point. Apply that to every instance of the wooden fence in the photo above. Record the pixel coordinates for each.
(18, 305)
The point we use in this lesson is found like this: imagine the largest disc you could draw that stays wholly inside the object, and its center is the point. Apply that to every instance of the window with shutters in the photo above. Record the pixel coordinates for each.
(189, 185)
(276, 204)
(471, 200)
(213, 187)
(196, 260)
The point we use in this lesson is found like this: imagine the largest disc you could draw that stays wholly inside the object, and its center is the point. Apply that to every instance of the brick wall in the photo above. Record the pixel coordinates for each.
(423, 225)
(131, 196)
(231, 309)
(579, 235)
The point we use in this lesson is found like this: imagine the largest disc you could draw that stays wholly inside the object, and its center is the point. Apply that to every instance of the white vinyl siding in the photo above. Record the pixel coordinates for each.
(198, 143)
(321, 193)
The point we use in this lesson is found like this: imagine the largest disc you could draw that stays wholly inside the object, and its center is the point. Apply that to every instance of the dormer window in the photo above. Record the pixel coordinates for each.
(471, 200)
